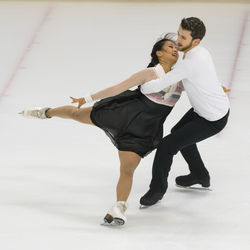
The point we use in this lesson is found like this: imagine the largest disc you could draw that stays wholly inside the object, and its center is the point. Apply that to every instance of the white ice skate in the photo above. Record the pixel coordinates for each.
(38, 112)
(116, 216)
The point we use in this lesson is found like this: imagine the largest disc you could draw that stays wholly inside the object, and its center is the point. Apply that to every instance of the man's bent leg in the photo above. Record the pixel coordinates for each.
(193, 129)
(161, 167)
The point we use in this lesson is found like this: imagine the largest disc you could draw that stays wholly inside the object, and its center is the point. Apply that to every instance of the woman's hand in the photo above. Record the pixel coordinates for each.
(80, 101)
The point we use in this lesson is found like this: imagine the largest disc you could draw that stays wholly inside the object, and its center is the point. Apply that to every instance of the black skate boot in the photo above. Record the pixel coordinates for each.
(150, 198)
(189, 180)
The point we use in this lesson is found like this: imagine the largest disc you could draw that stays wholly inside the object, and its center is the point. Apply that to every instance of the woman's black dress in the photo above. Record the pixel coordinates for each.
(132, 121)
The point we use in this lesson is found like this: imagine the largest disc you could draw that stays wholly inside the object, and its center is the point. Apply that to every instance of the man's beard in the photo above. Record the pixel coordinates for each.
(186, 48)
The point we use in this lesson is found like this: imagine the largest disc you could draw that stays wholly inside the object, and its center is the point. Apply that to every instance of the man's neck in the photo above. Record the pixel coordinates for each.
(186, 51)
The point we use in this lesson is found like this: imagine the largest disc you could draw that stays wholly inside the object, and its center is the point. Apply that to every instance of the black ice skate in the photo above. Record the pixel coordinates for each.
(193, 182)
(150, 198)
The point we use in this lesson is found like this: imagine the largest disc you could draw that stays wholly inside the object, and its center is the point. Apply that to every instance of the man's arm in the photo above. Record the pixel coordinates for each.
(180, 72)
(226, 90)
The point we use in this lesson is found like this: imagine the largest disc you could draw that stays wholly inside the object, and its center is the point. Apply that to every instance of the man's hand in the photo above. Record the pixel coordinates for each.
(80, 101)
(225, 89)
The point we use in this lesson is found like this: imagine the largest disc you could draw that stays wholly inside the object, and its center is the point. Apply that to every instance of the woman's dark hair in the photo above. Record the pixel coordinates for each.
(195, 25)
(158, 46)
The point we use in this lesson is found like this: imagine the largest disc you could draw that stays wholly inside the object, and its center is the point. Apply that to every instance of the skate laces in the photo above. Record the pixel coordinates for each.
(37, 113)
(122, 205)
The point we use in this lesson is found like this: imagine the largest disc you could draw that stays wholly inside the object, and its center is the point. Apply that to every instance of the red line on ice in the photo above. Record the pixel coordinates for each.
(239, 47)
(25, 53)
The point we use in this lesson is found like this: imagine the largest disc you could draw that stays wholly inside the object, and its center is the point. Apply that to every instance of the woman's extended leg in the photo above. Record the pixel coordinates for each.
(71, 112)
(128, 163)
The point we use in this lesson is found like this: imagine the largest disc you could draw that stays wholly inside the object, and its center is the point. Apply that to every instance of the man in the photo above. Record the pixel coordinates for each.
(207, 117)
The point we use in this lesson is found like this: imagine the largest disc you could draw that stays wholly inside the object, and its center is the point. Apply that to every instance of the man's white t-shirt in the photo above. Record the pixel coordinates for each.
(200, 81)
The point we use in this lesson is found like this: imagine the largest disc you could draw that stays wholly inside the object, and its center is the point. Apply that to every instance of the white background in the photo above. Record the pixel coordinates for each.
(58, 177)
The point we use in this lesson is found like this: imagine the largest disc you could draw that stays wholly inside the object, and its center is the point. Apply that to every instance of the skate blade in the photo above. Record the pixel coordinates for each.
(107, 221)
(119, 222)
(23, 114)
(200, 188)
(144, 207)
(106, 224)
(152, 205)
(114, 223)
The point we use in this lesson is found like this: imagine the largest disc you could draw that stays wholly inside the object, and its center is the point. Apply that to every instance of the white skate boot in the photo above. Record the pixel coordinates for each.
(39, 113)
(115, 215)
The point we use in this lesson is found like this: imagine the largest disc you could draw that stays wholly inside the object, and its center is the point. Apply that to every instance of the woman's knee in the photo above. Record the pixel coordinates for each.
(129, 162)
(83, 115)
(77, 114)
(72, 112)
(128, 169)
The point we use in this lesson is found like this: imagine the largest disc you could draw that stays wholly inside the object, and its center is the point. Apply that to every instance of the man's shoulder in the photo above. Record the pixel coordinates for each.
(202, 51)
(199, 53)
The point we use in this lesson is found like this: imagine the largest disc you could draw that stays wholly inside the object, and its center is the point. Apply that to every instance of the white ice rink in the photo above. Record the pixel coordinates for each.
(58, 177)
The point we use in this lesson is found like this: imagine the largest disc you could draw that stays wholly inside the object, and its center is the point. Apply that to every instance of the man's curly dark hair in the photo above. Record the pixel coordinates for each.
(195, 25)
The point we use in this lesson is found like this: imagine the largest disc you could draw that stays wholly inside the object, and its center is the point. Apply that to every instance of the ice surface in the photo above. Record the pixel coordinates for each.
(58, 177)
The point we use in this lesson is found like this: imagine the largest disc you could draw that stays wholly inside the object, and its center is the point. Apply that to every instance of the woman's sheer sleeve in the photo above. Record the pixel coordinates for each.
(180, 72)
(135, 80)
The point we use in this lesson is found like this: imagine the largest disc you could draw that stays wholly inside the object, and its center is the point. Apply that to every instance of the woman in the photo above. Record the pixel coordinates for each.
(133, 121)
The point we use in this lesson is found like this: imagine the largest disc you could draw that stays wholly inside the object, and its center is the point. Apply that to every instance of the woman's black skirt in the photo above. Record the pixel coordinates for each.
(131, 121)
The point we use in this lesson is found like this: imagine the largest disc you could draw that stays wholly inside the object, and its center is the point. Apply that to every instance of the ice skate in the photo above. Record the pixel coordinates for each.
(192, 182)
(150, 198)
(38, 112)
(115, 216)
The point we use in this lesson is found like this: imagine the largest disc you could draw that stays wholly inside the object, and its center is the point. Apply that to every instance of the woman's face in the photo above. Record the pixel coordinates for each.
(168, 53)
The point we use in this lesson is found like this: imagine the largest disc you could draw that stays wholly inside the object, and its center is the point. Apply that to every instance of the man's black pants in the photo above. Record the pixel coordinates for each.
(183, 137)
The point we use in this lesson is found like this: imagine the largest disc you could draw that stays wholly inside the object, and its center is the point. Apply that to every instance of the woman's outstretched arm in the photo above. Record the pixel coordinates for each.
(135, 80)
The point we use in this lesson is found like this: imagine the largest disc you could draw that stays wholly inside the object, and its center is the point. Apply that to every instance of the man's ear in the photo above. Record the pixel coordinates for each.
(196, 41)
